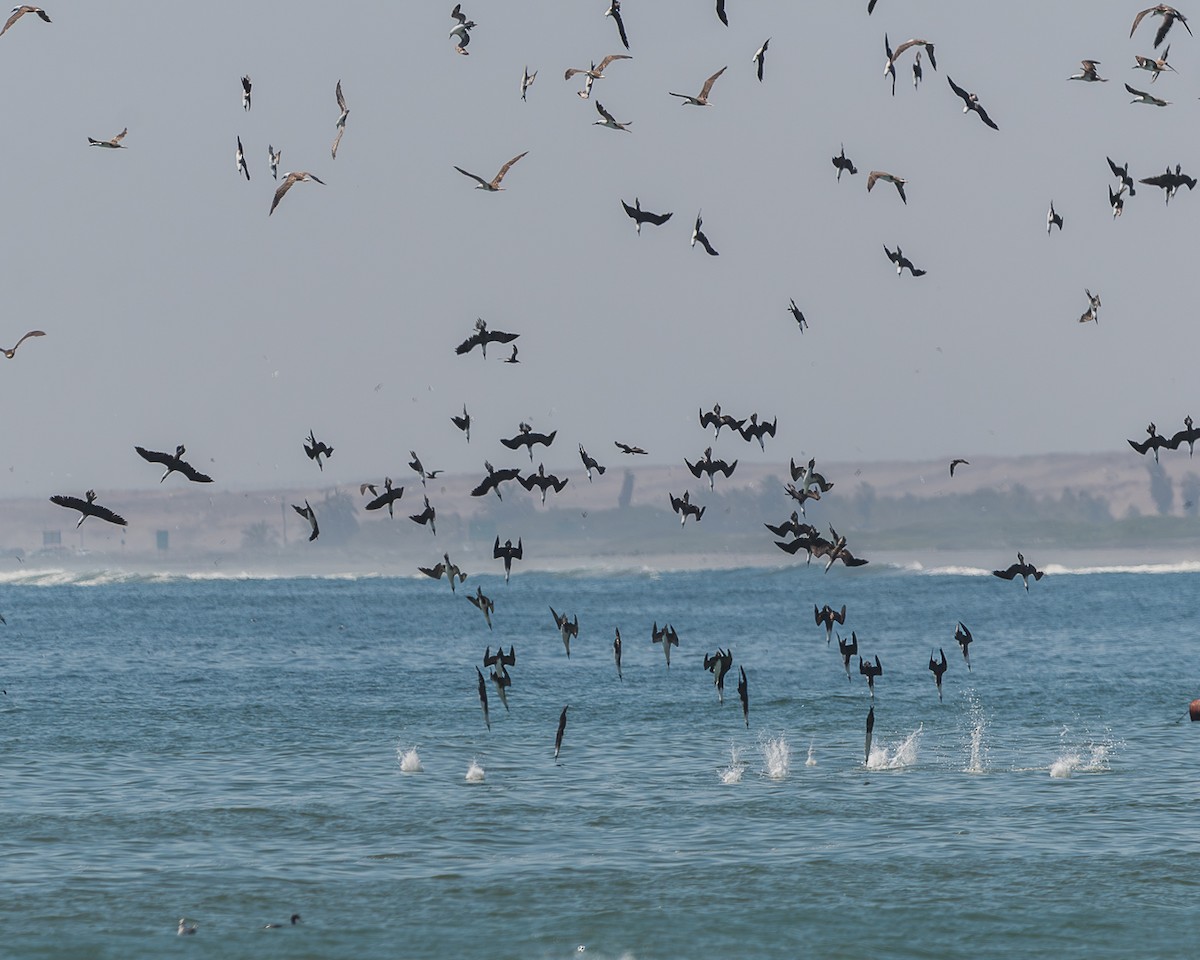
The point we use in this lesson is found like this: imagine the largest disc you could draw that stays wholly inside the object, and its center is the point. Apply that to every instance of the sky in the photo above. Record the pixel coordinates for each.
(177, 311)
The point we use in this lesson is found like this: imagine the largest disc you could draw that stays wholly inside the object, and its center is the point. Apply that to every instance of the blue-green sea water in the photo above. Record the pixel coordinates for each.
(232, 751)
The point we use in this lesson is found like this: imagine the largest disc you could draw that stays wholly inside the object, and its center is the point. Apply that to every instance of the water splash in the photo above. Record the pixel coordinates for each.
(474, 772)
(737, 766)
(1090, 756)
(977, 757)
(905, 755)
(777, 758)
(812, 756)
(410, 760)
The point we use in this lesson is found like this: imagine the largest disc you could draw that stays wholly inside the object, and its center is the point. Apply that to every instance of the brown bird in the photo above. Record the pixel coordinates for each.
(627, 448)
(10, 352)
(891, 178)
(289, 179)
(1169, 15)
(19, 12)
(702, 99)
(112, 144)
(596, 70)
(341, 120)
(494, 184)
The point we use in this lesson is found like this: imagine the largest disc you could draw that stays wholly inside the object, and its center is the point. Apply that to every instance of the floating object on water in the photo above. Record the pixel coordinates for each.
(1194, 710)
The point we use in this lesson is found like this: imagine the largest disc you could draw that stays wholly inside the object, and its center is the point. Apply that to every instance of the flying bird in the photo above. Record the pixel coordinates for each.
(685, 508)
(11, 352)
(754, 429)
(1020, 569)
(309, 514)
(627, 448)
(1188, 435)
(797, 315)
(744, 696)
(891, 178)
(1122, 174)
(608, 121)
(461, 33)
(1141, 96)
(273, 158)
(1169, 15)
(1170, 182)
(289, 180)
(566, 628)
(426, 517)
(702, 99)
(614, 11)
(19, 12)
(870, 671)
(791, 526)
(1093, 310)
(483, 694)
(938, 668)
(718, 665)
(958, 461)
(173, 462)
(485, 605)
(640, 216)
(848, 649)
(1088, 72)
(240, 159)
(807, 475)
(596, 71)
(316, 449)
(759, 57)
(707, 465)
(463, 423)
(828, 616)
(482, 337)
(589, 463)
(445, 568)
(543, 481)
(1154, 441)
(88, 508)
(716, 419)
(512, 357)
(963, 637)
(492, 185)
(525, 437)
(971, 103)
(698, 236)
(562, 725)
(844, 164)
(246, 93)
(386, 499)
(1152, 65)
(500, 662)
(112, 144)
(667, 637)
(527, 79)
(493, 480)
(1053, 219)
(508, 553)
(418, 468)
(901, 261)
(889, 69)
(341, 120)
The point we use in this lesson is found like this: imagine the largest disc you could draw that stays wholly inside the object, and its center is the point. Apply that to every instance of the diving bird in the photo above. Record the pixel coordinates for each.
(701, 100)
(744, 696)
(837, 551)
(685, 508)
(754, 429)
(289, 180)
(1122, 174)
(716, 419)
(807, 475)
(88, 508)
(628, 448)
(608, 121)
(512, 357)
(1154, 441)
(173, 462)
(844, 164)
(1169, 15)
(938, 668)
(273, 158)
(801, 495)
(500, 662)
(493, 480)
(309, 514)
(1093, 310)
(894, 55)
(445, 568)
(640, 216)
(112, 144)
(1088, 72)
(17, 14)
(494, 184)
(718, 665)
(11, 352)
(418, 468)
(316, 449)
(508, 553)
(426, 517)
(589, 463)
(828, 616)
(614, 11)
(957, 462)
(386, 499)
(870, 728)
(483, 694)
(971, 104)
(707, 465)
(617, 652)
(1117, 202)
(463, 423)
(917, 73)
(1141, 96)
(870, 671)
(667, 637)
(721, 12)
(562, 725)
(963, 637)
(759, 57)
(889, 63)
(791, 526)
(1188, 435)
(240, 160)
(485, 605)
(482, 337)
(341, 120)
(461, 33)
(1154, 66)
(527, 79)
(525, 437)
(891, 178)
(901, 261)
(566, 628)
(797, 315)
(698, 236)
(1020, 569)
(543, 481)
(246, 92)
(1053, 219)
(848, 649)
(1170, 182)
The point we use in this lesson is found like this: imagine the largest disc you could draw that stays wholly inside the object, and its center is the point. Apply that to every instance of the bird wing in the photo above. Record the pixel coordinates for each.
(280, 191)
(336, 141)
(709, 82)
(192, 473)
(1138, 19)
(982, 116)
(478, 179)
(504, 169)
(120, 136)
(42, 333)
(341, 101)
(721, 12)
(966, 97)
(708, 247)
(615, 12)
(604, 113)
(155, 456)
(610, 58)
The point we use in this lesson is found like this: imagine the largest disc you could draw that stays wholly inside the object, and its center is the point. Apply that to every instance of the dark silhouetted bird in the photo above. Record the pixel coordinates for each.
(426, 517)
(508, 553)
(463, 423)
(667, 637)
(1020, 569)
(870, 671)
(88, 508)
(485, 605)
(828, 616)
(971, 104)
(309, 514)
(543, 481)
(963, 636)
(938, 668)
(174, 462)
(566, 628)
(640, 216)
(685, 508)
(589, 463)
(445, 568)
(562, 725)
(482, 337)
(493, 480)
(744, 696)
(483, 696)
(316, 450)
(525, 437)
(848, 649)
(386, 499)
(707, 465)
(718, 665)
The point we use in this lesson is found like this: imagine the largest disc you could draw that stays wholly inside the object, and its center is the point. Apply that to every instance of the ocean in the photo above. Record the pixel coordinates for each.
(234, 750)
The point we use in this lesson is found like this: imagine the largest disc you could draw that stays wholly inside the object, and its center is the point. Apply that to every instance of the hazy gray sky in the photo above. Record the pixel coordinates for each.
(177, 311)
